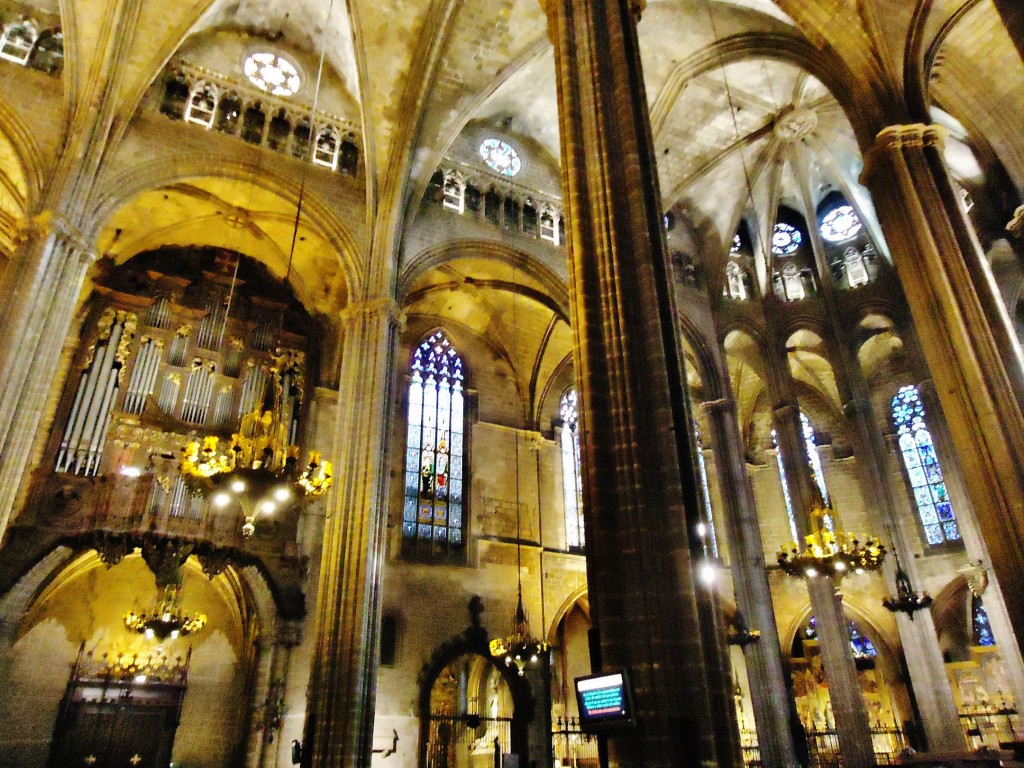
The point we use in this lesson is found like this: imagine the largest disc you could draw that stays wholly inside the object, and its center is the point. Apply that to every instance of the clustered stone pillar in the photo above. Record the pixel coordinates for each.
(42, 288)
(932, 690)
(753, 593)
(339, 719)
(634, 423)
(940, 267)
(848, 710)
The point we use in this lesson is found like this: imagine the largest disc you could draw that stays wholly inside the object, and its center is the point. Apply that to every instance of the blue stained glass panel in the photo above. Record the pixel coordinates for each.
(916, 476)
(434, 445)
(572, 488)
(409, 530)
(923, 469)
(982, 629)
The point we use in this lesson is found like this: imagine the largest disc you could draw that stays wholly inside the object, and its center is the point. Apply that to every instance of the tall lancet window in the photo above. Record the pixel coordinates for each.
(85, 435)
(434, 446)
(813, 461)
(934, 508)
(705, 495)
(811, 445)
(785, 487)
(572, 483)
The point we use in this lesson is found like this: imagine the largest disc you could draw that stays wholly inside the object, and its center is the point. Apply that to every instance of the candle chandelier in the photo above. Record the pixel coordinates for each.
(906, 600)
(827, 549)
(520, 647)
(259, 467)
(167, 620)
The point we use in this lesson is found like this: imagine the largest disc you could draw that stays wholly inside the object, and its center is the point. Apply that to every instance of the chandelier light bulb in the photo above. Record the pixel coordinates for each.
(702, 530)
(221, 500)
(237, 486)
(707, 573)
(282, 494)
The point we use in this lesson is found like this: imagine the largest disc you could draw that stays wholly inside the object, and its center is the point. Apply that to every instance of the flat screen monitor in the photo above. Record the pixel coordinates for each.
(605, 701)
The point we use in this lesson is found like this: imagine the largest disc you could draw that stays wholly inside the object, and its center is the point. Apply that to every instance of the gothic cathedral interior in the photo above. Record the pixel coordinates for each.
(511, 383)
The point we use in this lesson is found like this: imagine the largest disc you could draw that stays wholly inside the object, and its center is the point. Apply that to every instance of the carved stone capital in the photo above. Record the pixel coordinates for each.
(361, 311)
(896, 138)
(47, 223)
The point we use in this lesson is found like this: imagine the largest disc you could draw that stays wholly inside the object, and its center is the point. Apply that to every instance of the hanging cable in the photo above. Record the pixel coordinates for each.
(310, 141)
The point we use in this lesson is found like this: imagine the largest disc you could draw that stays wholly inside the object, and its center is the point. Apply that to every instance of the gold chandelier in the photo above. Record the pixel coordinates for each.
(520, 647)
(828, 550)
(258, 469)
(166, 620)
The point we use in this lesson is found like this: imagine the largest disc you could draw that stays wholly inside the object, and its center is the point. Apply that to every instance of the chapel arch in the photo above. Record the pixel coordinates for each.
(73, 629)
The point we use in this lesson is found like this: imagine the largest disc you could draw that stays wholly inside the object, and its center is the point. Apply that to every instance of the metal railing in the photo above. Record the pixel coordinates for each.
(990, 726)
(571, 747)
(823, 747)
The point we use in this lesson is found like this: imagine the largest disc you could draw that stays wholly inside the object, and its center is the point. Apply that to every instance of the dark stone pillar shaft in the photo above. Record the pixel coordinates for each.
(753, 594)
(635, 423)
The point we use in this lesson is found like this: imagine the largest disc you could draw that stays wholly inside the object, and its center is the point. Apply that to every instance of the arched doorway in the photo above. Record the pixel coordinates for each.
(473, 712)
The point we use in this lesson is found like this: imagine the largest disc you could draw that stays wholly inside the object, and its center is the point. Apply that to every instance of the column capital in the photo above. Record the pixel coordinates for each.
(48, 222)
(784, 410)
(637, 7)
(722, 404)
(856, 406)
(898, 137)
(382, 306)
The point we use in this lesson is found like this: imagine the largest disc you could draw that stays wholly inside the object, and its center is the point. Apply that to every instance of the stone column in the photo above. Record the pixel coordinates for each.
(43, 284)
(634, 420)
(339, 720)
(848, 709)
(753, 594)
(944, 281)
(932, 690)
(1013, 18)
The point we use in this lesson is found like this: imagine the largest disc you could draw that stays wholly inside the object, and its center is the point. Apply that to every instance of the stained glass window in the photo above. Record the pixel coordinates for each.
(272, 73)
(712, 536)
(734, 281)
(860, 644)
(981, 630)
(572, 485)
(814, 462)
(736, 244)
(927, 485)
(499, 156)
(811, 445)
(841, 223)
(785, 239)
(433, 510)
(785, 488)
